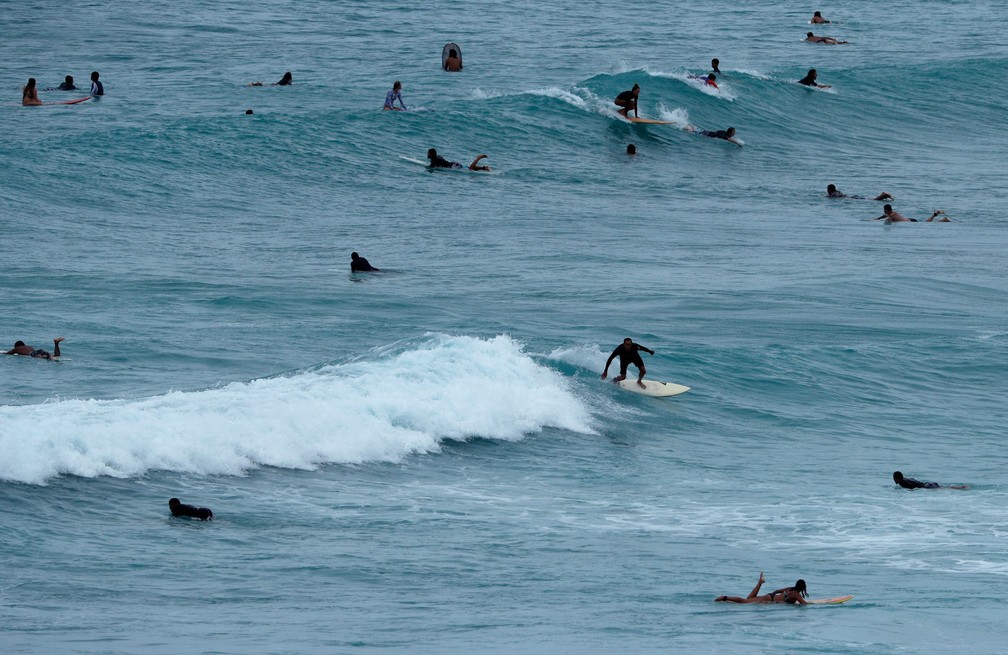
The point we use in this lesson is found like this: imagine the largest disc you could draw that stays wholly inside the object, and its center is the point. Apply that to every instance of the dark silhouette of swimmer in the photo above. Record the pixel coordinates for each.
(30, 351)
(97, 89)
(631, 149)
(286, 80)
(249, 112)
(910, 483)
(453, 63)
(178, 508)
(714, 63)
(725, 135)
(437, 161)
(359, 264)
(834, 192)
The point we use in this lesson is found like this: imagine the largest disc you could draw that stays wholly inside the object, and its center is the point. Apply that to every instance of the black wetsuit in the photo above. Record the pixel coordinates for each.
(441, 162)
(719, 134)
(628, 357)
(808, 80)
(361, 264)
(628, 100)
(181, 509)
(910, 483)
(67, 87)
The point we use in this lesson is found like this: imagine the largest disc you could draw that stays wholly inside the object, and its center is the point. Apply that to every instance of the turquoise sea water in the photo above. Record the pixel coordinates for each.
(424, 459)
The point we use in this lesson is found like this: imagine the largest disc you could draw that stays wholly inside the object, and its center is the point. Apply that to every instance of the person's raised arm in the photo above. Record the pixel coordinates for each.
(936, 213)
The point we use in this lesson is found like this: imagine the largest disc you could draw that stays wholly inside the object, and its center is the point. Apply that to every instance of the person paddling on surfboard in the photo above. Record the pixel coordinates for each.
(30, 351)
(790, 595)
(834, 192)
(628, 100)
(628, 353)
(825, 40)
(810, 80)
(910, 483)
(453, 62)
(437, 161)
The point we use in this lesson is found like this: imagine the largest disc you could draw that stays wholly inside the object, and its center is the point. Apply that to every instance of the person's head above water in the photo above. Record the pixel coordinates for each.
(631, 149)
(30, 85)
(354, 255)
(396, 85)
(69, 80)
(817, 14)
(730, 132)
(812, 73)
(830, 188)
(887, 209)
(286, 79)
(431, 153)
(801, 588)
(627, 343)
(94, 76)
(453, 53)
(715, 62)
(897, 477)
(18, 344)
(635, 88)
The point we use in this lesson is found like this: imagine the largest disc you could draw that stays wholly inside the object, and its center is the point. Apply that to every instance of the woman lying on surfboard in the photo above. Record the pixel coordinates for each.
(789, 595)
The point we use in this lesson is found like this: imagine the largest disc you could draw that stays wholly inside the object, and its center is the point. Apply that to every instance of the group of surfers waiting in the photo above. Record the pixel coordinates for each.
(29, 93)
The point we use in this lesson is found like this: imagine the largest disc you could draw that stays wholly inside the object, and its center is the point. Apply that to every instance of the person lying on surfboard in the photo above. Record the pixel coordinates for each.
(834, 192)
(810, 80)
(628, 100)
(30, 351)
(825, 40)
(817, 19)
(437, 161)
(910, 483)
(715, 65)
(286, 80)
(790, 595)
(628, 353)
(890, 216)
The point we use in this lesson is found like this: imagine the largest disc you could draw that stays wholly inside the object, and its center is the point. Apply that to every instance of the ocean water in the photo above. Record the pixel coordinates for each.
(424, 459)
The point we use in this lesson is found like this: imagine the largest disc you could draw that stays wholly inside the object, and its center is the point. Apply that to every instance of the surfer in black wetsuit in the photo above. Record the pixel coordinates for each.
(437, 161)
(910, 483)
(628, 100)
(359, 264)
(714, 63)
(810, 80)
(834, 192)
(178, 508)
(628, 354)
(30, 351)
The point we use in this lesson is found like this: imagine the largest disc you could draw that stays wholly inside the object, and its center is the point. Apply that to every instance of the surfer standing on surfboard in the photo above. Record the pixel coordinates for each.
(628, 100)
(628, 354)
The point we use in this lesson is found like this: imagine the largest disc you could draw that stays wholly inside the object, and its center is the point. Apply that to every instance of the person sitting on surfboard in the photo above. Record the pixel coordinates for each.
(628, 100)
(910, 483)
(453, 63)
(359, 264)
(834, 192)
(392, 96)
(817, 19)
(790, 595)
(810, 80)
(825, 40)
(29, 351)
(628, 353)
(437, 161)
(97, 89)
(727, 135)
(29, 95)
(178, 508)
(631, 149)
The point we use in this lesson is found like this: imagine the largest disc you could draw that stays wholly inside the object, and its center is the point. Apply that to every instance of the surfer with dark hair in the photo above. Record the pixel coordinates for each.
(910, 483)
(30, 351)
(714, 63)
(437, 161)
(790, 595)
(628, 353)
(834, 192)
(286, 80)
(817, 19)
(358, 264)
(810, 80)
(29, 95)
(725, 135)
(66, 85)
(628, 101)
(825, 40)
(453, 62)
(392, 96)
(631, 149)
(178, 508)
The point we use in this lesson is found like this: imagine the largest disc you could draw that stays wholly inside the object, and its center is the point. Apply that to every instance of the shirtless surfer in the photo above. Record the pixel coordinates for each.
(437, 161)
(825, 40)
(890, 216)
(30, 351)
(817, 18)
(834, 192)
(286, 80)
(29, 95)
(910, 483)
(810, 80)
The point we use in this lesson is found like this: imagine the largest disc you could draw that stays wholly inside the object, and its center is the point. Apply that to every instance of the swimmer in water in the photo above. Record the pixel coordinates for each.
(834, 192)
(437, 161)
(631, 149)
(910, 483)
(360, 265)
(726, 135)
(392, 96)
(286, 80)
(29, 351)
(817, 18)
(810, 80)
(714, 63)
(66, 85)
(825, 40)
(454, 62)
(628, 353)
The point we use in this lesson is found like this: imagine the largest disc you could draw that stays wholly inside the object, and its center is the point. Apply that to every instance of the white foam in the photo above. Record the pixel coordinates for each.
(382, 409)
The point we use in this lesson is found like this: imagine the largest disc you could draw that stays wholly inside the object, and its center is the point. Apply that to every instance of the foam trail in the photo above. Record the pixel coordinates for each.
(379, 410)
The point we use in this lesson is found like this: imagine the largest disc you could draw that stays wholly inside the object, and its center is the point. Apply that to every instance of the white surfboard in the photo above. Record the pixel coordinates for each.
(653, 388)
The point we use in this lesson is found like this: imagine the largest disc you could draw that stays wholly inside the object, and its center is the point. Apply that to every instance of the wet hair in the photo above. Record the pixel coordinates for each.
(18, 344)
(631, 149)
(628, 339)
(830, 188)
(397, 84)
(711, 76)
(94, 75)
(69, 79)
(431, 153)
(887, 208)
(730, 131)
(809, 34)
(452, 53)
(811, 72)
(354, 255)
(800, 588)
(249, 112)
(635, 87)
(716, 62)
(286, 79)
